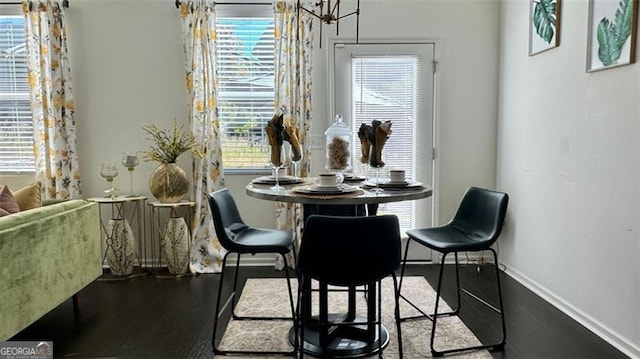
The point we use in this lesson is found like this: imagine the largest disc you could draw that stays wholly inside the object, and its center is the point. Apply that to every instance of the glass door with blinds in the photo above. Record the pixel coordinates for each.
(375, 81)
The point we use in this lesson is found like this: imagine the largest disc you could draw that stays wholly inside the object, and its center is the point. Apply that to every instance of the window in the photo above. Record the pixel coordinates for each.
(16, 125)
(245, 51)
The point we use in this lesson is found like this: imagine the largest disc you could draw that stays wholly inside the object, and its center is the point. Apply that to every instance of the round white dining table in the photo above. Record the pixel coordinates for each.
(365, 196)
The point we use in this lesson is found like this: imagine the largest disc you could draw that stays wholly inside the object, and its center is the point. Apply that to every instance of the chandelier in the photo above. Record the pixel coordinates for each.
(330, 13)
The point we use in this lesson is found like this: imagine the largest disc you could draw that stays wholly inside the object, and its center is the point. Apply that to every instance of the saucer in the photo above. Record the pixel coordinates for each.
(271, 180)
(318, 187)
(399, 183)
(386, 183)
(352, 178)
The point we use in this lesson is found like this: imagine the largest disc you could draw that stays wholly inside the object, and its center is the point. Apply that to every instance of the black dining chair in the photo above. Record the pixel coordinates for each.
(475, 227)
(239, 238)
(347, 252)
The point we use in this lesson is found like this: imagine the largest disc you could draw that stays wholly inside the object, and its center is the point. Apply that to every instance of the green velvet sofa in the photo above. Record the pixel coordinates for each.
(47, 255)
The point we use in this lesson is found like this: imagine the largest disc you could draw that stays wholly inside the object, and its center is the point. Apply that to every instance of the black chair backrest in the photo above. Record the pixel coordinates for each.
(481, 214)
(349, 251)
(226, 217)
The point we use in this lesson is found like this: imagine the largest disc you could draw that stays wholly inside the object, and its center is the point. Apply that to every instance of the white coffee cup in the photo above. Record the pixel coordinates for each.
(327, 179)
(397, 175)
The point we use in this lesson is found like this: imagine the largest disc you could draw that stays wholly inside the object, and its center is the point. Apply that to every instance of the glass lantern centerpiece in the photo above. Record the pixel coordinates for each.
(338, 148)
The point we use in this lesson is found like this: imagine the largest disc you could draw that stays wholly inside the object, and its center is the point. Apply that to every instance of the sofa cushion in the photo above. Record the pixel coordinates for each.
(8, 203)
(29, 197)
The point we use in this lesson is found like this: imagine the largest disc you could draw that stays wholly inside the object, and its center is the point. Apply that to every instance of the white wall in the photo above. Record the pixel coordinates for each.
(128, 71)
(568, 156)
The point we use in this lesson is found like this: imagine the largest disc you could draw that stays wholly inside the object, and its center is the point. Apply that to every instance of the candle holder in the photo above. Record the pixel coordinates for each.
(109, 171)
(295, 160)
(277, 160)
(130, 161)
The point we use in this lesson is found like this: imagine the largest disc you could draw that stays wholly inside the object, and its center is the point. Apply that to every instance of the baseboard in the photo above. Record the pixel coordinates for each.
(465, 258)
(258, 260)
(615, 339)
(266, 260)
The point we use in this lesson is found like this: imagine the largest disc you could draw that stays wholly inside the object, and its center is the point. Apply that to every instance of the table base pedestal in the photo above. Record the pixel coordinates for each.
(347, 341)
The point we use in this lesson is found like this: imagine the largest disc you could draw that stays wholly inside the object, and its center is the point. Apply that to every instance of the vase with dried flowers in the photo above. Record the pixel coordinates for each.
(168, 182)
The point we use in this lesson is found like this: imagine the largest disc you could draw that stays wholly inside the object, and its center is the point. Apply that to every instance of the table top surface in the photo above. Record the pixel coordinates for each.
(118, 199)
(361, 196)
(172, 205)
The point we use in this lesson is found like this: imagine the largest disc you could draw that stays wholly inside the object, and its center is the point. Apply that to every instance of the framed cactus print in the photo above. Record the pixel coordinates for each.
(612, 31)
(544, 25)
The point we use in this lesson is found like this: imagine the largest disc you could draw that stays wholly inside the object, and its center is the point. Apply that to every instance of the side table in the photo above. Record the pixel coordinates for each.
(174, 236)
(122, 246)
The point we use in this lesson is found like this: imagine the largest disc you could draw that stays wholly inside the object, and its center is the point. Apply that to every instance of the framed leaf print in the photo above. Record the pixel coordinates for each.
(612, 33)
(544, 25)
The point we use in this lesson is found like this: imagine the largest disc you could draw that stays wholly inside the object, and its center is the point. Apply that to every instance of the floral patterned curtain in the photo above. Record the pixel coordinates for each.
(52, 103)
(198, 29)
(293, 47)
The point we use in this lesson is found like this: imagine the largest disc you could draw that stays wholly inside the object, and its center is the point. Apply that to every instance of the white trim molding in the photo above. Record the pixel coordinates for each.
(615, 339)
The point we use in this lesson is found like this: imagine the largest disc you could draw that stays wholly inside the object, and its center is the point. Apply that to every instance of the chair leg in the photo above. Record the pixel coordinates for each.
(304, 290)
(457, 309)
(493, 346)
(235, 288)
(396, 295)
(500, 345)
(404, 263)
(423, 314)
(231, 300)
(293, 308)
(216, 317)
(434, 319)
(379, 318)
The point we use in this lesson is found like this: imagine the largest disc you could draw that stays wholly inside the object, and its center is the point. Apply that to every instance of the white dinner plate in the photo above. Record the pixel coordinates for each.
(314, 189)
(386, 183)
(271, 180)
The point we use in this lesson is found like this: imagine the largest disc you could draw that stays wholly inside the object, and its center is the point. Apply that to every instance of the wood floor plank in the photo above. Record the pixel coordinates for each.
(147, 317)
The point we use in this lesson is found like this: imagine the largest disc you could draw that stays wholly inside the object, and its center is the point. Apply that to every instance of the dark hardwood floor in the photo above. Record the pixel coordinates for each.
(147, 317)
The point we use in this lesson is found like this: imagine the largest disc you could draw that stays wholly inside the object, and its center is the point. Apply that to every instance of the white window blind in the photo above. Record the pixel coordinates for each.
(16, 126)
(385, 88)
(245, 60)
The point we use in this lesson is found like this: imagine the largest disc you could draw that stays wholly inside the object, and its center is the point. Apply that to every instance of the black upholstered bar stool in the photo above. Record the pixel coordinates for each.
(347, 252)
(475, 227)
(237, 237)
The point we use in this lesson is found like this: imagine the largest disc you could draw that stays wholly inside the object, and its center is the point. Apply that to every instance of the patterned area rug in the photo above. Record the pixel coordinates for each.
(268, 297)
